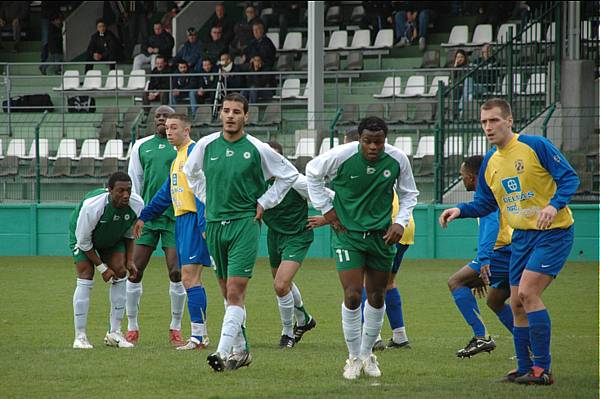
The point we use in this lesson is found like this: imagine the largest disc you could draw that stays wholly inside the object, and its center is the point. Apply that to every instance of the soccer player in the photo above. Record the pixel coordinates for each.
(288, 241)
(100, 237)
(151, 158)
(490, 267)
(531, 182)
(230, 169)
(363, 176)
(190, 227)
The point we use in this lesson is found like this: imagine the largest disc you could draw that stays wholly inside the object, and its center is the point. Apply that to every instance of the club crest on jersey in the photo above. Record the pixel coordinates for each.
(387, 173)
(511, 184)
(116, 218)
(246, 155)
(520, 166)
(371, 170)
(126, 217)
(229, 153)
(161, 146)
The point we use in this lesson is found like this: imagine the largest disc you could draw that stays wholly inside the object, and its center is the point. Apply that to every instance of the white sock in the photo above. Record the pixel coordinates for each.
(81, 305)
(239, 345)
(371, 328)
(286, 312)
(232, 324)
(118, 297)
(299, 311)
(351, 324)
(134, 293)
(178, 295)
(198, 329)
(399, 335)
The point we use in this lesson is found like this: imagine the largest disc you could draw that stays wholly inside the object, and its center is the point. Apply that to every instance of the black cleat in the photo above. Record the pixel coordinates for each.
(286, 342)
(216, 362)
(394, 345)
(300, 330)
(378, 346)
(536, 376)
(475, 346)
(239, 360)
(510, 377)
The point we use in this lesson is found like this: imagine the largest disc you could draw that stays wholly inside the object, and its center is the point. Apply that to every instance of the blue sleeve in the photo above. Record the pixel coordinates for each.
(159, 203)
(557, 165)
(488, 235)
(484, 202)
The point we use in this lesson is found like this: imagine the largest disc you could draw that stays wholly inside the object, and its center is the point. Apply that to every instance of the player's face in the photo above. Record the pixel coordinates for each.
(160, 120)
(120, 194)
(372, 144)
(497, 128)
(467, 178)
(233, 117)
(176, 132)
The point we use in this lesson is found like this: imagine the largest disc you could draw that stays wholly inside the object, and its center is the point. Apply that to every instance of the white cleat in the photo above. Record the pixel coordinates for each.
(194, 343)
(117, 340)
(82, 342)
(352, 368)
(371, 367)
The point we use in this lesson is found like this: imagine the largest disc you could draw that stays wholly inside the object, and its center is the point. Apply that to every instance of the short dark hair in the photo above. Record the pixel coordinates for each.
(373, 124)
(352, 135)
(237, 97)
(160, 56)
(185, 120)
(100, 20)
(501, 103)
(117, 176)
(183, 62)
(473, 164)
(464, 53)
(276, 146)
(258, 22)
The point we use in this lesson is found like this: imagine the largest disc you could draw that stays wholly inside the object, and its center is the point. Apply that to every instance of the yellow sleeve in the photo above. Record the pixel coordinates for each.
(408, 238)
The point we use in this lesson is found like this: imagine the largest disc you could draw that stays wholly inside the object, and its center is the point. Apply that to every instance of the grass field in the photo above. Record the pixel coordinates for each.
(36, 334)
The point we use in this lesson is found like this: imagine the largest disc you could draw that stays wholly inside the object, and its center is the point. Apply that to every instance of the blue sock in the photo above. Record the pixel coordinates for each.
(540, 330)
(197, 306)
(467, 304)
(521, 339)
(506, 317)
(362, 305)
(393, 308)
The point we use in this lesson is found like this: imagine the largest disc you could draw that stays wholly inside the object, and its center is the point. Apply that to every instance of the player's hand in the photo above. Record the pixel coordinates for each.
(108, 275)
(259, 213)
(132, 269)
(546, 217)
(480, 292)
(393, 234)
(137, 229)
(315, 221)
(448, 215)
(332, 219)
(485, 274)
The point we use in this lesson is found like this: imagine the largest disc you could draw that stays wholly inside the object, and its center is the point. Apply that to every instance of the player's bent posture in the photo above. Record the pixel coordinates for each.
(190, 225)
(230, 168)
(288, 241)
(489, 268)
(100, 237)
(531, 182)
(363, 176)
(151, 158)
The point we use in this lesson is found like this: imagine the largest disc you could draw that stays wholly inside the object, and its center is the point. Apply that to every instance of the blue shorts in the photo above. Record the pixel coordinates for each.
(542, 251)
(499, 267)
(400, 250)
(191, 246)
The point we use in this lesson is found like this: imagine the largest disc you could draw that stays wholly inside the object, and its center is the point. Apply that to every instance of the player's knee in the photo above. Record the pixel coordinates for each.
(525, 296)
(120, 273)
(175, 276)
(453, 283)
(353, 298)
(138, 277)
(376, 299)
(281, 287)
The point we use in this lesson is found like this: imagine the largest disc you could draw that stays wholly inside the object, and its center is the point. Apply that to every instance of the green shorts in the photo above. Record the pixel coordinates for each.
(354, 249)
(290, 247)
(104, 253)
(233, 246)
(162, 228)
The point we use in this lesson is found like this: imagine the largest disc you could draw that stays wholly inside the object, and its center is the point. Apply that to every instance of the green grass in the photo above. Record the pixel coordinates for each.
(36, 331)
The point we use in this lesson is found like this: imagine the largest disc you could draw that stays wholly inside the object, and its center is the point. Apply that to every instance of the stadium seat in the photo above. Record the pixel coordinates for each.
(1, 151)
(333, 16)
(398, 112)
(292, 42)
(43, 150)
(354, 61)
(415, 86)
(431, 59)
(357, 14)
(425, 155)
(272, 115)
(9, 166)
(203, 116)
(404, 143)
(459, 36)
(253, 113)
(551, 33)
(290, 89)
(350, 115)
(305, 147)
(331, 62)
(285, 62)
(376, 109)
(16, 148)
(90, 151)
(70, 81)
(532, 35)
(67, 151)
(516, 85)
(338, 40)
(360, 40)
(114, 80)
(391, 87)
(453, 145)
(477, 146)
(266, 11)
(92, 81)
(482, 35)
(325, 144)
(384, 39)
(129, 120)
(274, 36)
(137, 80)
(31, 171)
(113, 149)
(433, 89)
(305, 95)
(536, 84)
(502, 36)
(424, 112)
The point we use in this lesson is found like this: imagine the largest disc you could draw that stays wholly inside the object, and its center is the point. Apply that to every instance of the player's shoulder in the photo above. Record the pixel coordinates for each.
(396, 153)
(204, 141)
(95, 199)
(140, 142)
(342, 152)
(534, 142)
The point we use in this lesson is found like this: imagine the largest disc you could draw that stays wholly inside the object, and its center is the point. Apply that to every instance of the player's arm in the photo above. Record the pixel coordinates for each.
(131, 268)
(488, 235)
(407, 193)
(135, 170)
(159, 203)
(275, 165)
(194, 170)
(325, 165)
(88, 219)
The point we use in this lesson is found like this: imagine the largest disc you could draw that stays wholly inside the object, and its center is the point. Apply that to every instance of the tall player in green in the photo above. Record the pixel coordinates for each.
(100, 237)
(151, 158)
(229, 169)
(364, 176)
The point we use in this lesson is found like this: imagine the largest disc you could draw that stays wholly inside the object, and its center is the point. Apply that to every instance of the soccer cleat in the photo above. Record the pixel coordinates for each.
(510, 376)
(300, 330)
(475, 346)
(238, 360)
(395, 345)
(175, 338)
(133, 336)
(352, 369)
(216, 362)
(286, 342)
(378, 346)
(193, 343)
(536, 376)
(116, 340)
(371, 367)
(82, 342)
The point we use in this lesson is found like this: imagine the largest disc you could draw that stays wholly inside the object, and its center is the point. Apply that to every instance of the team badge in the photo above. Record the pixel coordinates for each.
(161, 146)
(520, 166)
(511, 184)
(387, 173)
(116, 218)
(371, 170)
(556, 158)
(229, 153)
(246, 155)
(127, 217)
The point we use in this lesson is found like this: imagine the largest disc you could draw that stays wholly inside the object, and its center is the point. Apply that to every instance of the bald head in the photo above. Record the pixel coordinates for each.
(160, 119)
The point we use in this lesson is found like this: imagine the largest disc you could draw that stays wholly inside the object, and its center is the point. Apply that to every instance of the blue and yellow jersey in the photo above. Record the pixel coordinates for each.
(494, 233)
(408, 238)
(521, 179)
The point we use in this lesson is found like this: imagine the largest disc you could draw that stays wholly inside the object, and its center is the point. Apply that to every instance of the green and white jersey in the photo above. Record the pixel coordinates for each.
(231, 177)
(95, 223)
(149, 166)
(291, 215)
(364, 190)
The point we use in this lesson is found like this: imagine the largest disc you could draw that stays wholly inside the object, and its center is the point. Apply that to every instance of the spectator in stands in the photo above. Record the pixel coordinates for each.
(49, 9)
(207, 83)
(243, 31)
(227, 67)
(216, 45)
(411, 23)
(257, 81)
(55, 43)
(184, 86)
(103, 46)
(13, 14)
(465, 91)
(219, 19)
(158, 86)
(190, 51)
(160, 42)
(486, 78)
(287, 13)
(378, 15)
(260, 45)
